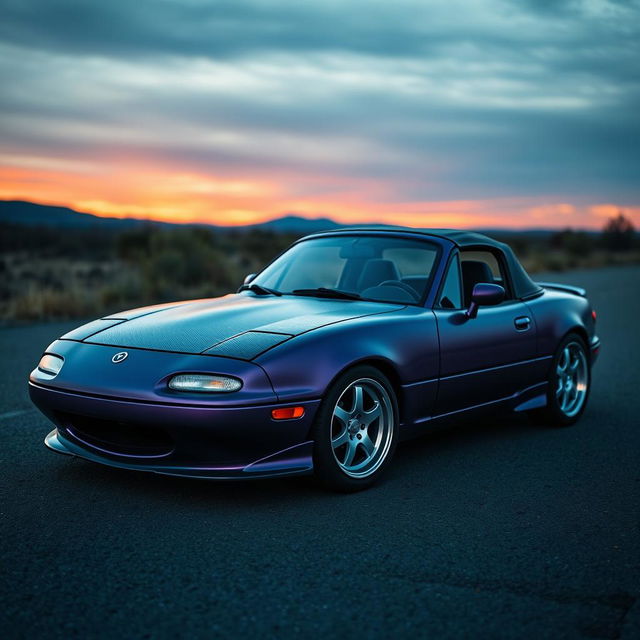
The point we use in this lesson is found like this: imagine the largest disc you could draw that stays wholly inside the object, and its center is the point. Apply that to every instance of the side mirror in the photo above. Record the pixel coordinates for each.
(249, 278)
(484, 295)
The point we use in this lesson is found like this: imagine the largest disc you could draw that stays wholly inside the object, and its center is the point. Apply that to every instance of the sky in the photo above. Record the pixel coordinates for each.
(482, 113)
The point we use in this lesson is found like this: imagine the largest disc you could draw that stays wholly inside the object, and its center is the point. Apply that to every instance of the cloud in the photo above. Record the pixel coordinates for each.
(438, 101)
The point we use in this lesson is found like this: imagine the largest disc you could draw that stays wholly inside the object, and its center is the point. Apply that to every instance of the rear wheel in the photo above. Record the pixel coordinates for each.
(569, 382)
(356, 430)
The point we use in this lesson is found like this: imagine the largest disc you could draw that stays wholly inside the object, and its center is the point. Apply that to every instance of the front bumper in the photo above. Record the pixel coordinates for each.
(179, 439)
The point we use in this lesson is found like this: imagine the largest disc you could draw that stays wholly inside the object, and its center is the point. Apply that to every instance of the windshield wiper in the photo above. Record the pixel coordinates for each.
(259, 289)
(324, 292)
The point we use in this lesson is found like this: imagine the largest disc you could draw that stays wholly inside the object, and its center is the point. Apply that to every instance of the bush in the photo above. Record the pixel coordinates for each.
(575, 243)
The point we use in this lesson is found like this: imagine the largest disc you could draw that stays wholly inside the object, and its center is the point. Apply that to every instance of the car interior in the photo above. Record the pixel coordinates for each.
(382, 278)
(390, 272)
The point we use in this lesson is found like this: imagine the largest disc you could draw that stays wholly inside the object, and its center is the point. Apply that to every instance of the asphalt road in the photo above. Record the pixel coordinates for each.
(497, 529)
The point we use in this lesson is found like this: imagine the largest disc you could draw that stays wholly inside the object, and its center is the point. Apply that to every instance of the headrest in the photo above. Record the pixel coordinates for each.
(376, 272)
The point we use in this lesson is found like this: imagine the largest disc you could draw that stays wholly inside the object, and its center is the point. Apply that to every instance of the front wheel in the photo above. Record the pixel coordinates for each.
(569, 382)
(356, 430)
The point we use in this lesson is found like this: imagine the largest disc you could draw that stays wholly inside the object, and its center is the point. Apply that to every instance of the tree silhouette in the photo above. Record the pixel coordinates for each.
(618, 233)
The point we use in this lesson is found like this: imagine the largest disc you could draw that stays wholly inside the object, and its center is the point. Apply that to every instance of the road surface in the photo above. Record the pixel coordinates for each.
(497, 529)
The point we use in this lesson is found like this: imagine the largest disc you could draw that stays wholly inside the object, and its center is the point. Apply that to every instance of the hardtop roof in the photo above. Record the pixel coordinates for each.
(523, 286)
(460, 237)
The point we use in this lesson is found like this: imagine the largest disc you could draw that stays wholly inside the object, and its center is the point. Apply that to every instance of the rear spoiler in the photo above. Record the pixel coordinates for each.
(578, 291)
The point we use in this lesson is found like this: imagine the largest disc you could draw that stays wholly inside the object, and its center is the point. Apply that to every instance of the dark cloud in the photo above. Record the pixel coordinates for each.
(492, 98)
(214, 29)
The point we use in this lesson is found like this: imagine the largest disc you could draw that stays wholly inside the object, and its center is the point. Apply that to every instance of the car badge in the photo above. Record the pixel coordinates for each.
(119, 357)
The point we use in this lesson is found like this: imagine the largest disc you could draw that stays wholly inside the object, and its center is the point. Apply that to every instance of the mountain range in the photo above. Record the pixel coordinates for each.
(20, 212)
(31, 214)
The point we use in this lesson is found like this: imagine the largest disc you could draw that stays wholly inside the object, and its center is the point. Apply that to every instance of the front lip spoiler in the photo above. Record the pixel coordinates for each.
(296, 460)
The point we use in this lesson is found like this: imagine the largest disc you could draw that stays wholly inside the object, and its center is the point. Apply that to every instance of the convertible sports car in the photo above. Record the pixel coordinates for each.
(347, 342)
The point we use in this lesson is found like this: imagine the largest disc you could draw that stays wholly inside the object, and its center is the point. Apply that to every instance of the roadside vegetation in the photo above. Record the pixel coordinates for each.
(48, 273)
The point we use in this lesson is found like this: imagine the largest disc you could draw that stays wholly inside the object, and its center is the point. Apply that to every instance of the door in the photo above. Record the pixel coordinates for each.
(483, 359)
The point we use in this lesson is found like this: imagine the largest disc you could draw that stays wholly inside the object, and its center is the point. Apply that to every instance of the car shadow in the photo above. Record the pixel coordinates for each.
(410, 459)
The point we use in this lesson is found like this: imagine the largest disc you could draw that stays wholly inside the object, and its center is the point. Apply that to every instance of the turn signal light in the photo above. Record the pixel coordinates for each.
(287, 414)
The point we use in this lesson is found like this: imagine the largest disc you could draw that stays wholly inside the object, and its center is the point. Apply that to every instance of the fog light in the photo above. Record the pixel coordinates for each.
(201, 382)
(287, 414)
(50, 364)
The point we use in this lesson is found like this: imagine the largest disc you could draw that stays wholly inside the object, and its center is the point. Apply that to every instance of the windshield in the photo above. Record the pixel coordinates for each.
(381, 268)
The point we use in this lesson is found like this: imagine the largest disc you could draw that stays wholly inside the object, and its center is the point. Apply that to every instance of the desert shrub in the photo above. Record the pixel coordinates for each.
(575, 243)
(48, 304)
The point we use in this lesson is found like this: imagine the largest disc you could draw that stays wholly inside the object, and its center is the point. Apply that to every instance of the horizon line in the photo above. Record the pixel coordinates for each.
(299, 215)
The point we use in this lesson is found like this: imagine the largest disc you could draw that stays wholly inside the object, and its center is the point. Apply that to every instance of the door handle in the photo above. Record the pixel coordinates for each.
(522, 323)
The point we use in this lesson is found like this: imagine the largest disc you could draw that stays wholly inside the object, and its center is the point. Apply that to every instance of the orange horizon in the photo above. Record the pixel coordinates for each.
(160, 194)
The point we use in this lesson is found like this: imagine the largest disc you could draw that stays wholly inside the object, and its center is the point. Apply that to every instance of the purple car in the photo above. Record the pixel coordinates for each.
(346, 343)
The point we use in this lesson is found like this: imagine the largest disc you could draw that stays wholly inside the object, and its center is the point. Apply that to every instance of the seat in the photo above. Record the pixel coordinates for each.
(376, 272)
(473, 272)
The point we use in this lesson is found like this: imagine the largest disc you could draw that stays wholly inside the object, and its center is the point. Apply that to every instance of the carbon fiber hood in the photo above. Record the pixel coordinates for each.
(237, 326)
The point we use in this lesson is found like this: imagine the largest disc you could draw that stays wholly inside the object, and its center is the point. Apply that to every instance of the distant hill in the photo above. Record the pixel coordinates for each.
(32, 214)
(298, 224)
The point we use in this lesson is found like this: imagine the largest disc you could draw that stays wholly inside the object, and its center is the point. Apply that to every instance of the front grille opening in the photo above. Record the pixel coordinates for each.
(118, 438)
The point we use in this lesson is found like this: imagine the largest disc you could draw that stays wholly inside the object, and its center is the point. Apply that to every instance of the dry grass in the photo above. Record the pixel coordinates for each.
(558, 260)
(73, 276)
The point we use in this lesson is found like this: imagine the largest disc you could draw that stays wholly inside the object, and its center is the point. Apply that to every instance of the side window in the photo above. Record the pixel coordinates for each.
(481, 266)
(488, 258)
(451, 295)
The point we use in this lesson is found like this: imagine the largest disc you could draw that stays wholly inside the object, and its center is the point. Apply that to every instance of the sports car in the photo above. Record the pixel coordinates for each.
(348, 342)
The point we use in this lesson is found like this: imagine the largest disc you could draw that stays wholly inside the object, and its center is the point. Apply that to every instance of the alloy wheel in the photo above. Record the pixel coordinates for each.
(572, 379)
(362, 428)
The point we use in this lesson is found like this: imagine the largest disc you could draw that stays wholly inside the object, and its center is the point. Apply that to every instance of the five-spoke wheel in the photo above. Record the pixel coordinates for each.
(572, 379)
(355, 431)
(569, 382)
(362, 427)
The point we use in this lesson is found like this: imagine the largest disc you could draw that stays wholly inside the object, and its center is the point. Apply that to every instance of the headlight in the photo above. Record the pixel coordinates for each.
(204, 382)
(50, 364)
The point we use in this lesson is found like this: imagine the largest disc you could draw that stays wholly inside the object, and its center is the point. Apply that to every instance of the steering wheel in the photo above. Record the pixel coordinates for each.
(401, 285)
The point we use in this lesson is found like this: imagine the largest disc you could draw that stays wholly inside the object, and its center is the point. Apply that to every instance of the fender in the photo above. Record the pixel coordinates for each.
(556, 313)
(330, 350)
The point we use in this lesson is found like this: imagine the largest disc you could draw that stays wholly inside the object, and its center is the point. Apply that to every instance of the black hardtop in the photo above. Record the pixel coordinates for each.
(460, 237)
(523, 286)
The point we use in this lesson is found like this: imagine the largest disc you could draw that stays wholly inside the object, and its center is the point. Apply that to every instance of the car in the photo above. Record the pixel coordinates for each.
(348, 342)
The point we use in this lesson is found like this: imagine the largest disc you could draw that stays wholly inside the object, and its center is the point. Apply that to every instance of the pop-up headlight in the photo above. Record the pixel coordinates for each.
(202, 382)
(50, 364)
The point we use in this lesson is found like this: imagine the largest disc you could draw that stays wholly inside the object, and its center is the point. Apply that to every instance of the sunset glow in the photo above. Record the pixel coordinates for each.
(172, 196)
(233, 128)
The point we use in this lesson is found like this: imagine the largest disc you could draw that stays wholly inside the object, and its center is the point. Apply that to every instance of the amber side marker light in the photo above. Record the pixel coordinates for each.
(287, 414)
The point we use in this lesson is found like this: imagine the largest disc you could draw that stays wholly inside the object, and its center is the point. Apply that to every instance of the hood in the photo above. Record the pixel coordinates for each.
(237, 326)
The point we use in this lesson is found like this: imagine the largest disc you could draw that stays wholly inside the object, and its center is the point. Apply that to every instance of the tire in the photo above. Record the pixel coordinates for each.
(569, 383)
(356, 430)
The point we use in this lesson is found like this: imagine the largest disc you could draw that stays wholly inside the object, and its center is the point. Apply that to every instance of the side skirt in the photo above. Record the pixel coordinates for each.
(533, 397)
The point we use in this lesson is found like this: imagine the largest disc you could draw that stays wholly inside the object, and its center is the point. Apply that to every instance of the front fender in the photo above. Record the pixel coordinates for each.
(406, 340)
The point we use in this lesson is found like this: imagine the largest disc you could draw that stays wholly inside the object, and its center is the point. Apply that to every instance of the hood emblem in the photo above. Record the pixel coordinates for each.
(119, 357)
